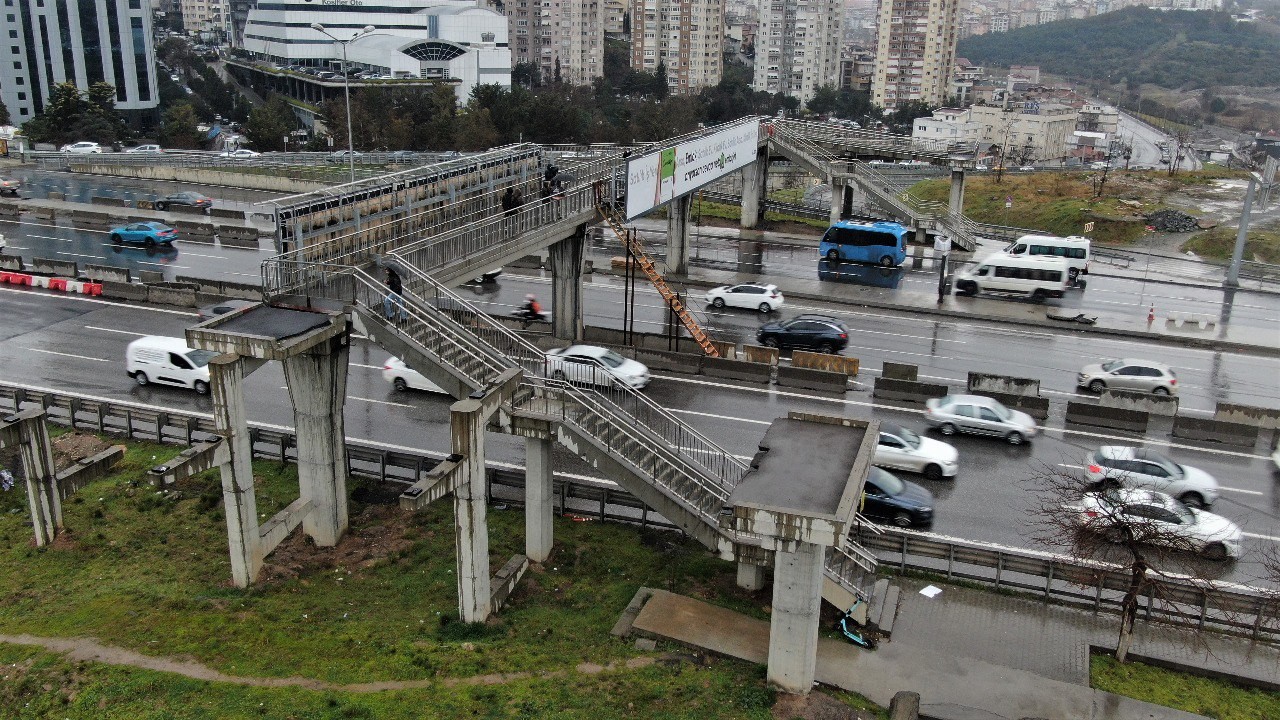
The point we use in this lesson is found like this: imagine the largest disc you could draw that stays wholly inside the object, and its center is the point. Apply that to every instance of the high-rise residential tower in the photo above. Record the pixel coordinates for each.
(915, 50)
(685, 36)
(798, 46)
(564, 33)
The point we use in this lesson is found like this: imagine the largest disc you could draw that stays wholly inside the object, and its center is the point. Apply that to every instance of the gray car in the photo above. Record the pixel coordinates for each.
(979, 415)
(1129, 374)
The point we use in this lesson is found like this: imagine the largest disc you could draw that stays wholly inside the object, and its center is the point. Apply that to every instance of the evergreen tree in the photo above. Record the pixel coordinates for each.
(178, 129)
(269, 123)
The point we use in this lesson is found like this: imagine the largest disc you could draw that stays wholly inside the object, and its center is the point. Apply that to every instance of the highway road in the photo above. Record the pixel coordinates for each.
(76, 344)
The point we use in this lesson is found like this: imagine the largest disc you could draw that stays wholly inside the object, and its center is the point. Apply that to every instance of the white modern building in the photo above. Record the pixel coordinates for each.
(685, 36)
(798, 46)
(451, 41)
(564, 36)
(915, 51)
(83, 42)
(955, 125)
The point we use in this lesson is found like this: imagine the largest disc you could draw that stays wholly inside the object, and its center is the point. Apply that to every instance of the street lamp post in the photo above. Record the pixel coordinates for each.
(346, 87)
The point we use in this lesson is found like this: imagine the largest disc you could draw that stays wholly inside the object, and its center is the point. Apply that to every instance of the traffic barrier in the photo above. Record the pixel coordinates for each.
(1166, 405)
(92, 288)
(823, 361)
(194, 232)
(1247, 415)
(113, 202)
(180, 294)
(1115, 418)
(760, 354)
(186, 210)
(908, 390)
(12, 263)
(812, 379)
(40, 281)
(227, 213)
(736, 370)
(145, 205)
(105, 272)
(97, 220)
(124, 290)
(45, 266)
(727, 350)
(54, 195)
(690, 363)
(603, 335)
(42, 213)
(150, 276)
(237, 236)
(19, 279)
(986, 383)
(1200, 320)
(898, 371)
(10, 209)
(58, 283)
(1228, 433)
(1036, 407)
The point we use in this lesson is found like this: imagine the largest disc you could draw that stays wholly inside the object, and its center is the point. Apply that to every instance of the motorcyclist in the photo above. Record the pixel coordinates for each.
(531, 309)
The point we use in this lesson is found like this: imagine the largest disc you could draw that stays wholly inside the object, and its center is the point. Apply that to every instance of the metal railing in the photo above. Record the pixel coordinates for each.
(870, 141)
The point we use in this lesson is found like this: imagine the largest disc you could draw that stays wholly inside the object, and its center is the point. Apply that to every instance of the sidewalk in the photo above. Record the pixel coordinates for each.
(976, 654)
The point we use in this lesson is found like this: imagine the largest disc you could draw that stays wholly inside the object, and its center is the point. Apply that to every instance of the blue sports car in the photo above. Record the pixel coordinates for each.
(144, 233)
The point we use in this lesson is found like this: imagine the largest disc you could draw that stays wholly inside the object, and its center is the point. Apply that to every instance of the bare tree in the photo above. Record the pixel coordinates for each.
(1138, 531)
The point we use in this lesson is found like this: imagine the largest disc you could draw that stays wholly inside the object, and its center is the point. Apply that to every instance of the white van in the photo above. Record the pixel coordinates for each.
(1038, 277)
(1075, 249)
(168, 360)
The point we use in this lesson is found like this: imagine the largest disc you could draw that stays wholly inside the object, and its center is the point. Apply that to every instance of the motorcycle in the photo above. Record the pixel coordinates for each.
(526, 315)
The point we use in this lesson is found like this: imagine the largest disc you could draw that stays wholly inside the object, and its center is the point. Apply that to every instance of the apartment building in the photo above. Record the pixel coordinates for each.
(563, 34)
(1030, 132)
(686, 36)
(915, 51)
(205, 16)
(798, 46)
(83, 43)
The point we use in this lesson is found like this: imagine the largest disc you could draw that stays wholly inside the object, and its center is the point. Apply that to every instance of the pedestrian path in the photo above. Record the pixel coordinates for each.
(974, 654)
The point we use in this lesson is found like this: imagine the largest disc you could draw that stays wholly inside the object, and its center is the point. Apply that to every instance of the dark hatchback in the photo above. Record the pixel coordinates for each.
(898, 502)
(190, 199)
(809, 332)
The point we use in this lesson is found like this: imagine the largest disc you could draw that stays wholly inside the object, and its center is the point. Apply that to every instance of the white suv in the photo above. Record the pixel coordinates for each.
(1142, 468)
(84, 147)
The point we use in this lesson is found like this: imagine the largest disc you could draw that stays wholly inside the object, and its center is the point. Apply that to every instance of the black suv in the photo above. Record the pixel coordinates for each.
(811, 332)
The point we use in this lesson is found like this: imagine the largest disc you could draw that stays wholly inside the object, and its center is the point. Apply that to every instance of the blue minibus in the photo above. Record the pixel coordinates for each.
(883, 243)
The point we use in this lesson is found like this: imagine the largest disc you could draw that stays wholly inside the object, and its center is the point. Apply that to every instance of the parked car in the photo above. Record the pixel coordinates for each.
(1129, 374)
(979, 415)
(810, 332)
(1139, 467)
(10, 185)
(1156, 518)
(83, 147)
(345, 156)
(904, 449)
(222, 308)
(754, 296)
(403, 377)
(190, 199)
(887, 498)
(241, 154)
(145, 149)
(595, 365)
(144, 233)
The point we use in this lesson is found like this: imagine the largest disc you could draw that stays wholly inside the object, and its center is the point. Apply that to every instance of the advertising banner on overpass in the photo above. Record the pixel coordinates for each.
(659, 177)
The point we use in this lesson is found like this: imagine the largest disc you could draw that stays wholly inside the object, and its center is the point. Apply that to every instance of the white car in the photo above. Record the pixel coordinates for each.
(83, 147)
(765, 298)
(595, 365)
(903, 449)
(346, 156)
(241, 154)
(145, 149)
(1129, 374)
(1142, 468)
(403, 377)
(1155, 518)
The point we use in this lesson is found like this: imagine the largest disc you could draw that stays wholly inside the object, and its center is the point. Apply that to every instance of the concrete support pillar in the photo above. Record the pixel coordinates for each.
(750, 576)
(922, 236)
(755, 179)
(793, 628)
(565, 259)
(471, 531)
(837, 199)
(226, 380)
(317, 381)
(678, 235)
(42, 485)
(955, 204)
(539, 505)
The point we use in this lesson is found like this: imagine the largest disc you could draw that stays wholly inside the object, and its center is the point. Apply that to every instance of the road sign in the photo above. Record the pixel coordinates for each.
(1008, 201)
(1088, 227)
(942, 244)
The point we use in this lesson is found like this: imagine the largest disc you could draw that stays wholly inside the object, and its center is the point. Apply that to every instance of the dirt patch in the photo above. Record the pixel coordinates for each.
(815, 706)
(375, 536)
(68, 449)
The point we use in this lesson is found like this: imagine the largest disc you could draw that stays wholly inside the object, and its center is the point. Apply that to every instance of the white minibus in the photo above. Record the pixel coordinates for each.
(1037, 278)
(1075, 249)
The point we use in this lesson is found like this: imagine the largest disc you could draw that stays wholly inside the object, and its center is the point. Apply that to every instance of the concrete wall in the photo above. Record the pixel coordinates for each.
(908, 390)
(1228, 433)
(180, 294)
(736, 370)
(1115, 418)
(898, 371)
(204, 176)
(1036, 407)
(822, 361)
(46, 266)
(812, 379)
(760, 354)
(690, 363)
(1247, 415)
(727, 350)
(986, 383)
(1135, 400)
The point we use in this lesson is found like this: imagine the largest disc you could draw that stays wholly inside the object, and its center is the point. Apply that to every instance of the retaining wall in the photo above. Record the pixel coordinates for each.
(908, 390)
(1135, 400)
(1108, 417)
(205, 176)
(1228, 433)
(1003, 384)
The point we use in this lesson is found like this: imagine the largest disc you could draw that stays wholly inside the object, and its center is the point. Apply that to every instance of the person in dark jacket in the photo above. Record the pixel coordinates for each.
(394, 290)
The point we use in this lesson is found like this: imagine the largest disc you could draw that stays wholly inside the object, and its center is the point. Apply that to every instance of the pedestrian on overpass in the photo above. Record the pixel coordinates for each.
(394, 290)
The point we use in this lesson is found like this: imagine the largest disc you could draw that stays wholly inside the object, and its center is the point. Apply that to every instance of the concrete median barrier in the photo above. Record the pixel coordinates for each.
(95, 220)
(149, 276)
(106, 272)
(186, 210)
(823, 361)
(727, 350)
(242, 291)
(736, 370)
(1134, 400)
(603, 335)
(145, 204)
(226, 213)
(46, 266)
(1227, 433)
(12, 263)
(760, 354)
(124, 290)
(1115, 418)
(907, 390)
(899, 371)
(1036, 407)
(11, 210)
(1247, 415)
(688, 363)
(194, 232)
(110, 201)
(57, 195)
(985, 383)
(180, 294)
(811, 379)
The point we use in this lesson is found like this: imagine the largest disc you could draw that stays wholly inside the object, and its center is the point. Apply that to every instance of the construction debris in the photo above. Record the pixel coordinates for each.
(1172, 221)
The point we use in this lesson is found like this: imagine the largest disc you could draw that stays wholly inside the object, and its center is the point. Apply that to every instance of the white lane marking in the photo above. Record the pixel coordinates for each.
(78, 357)
(49, 237)
(898, 352)
(1121, 440)
(113, 330)
(1257, 536)
(81, 298)
(1240, 490)
(1072, 467)
(721, 417)
(380, 402)
(95, 257)
(18, 247)
(371, 367)
(214, 257)
(175, 267)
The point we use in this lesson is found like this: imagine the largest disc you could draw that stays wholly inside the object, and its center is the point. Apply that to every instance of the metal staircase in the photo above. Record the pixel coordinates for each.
(632, 242)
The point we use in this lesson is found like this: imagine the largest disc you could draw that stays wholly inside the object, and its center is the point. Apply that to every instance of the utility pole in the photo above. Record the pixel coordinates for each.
(1237, 254)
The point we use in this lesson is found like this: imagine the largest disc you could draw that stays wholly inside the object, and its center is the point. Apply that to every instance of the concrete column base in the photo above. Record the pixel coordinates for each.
(793, 628)
(539, 505)
(750, 577)
(678, 235)
(226, 383)
(565, 261)
(317, 381)
(471, 531)
(754, 183)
